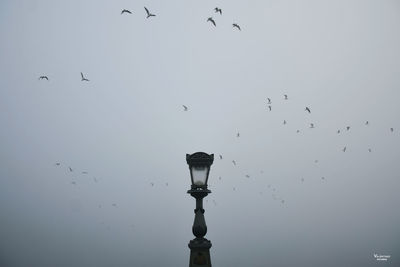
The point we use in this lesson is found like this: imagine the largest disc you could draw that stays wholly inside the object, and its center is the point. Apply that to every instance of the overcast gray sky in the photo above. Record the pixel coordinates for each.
(126, 128)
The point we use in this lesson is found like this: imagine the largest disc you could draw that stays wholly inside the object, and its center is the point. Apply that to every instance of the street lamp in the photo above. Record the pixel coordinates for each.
(199, 165)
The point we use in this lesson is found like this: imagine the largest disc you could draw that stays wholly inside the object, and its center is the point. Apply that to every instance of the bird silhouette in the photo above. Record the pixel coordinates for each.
(148, 13)
(210, 19)
(391, 129)
(70, 169)
(185, 108)
(270, 108)
(220, 156)
(338, 131)
(269, 100)
(348, 128)
(286, 97)
(308, 109)
(312, 125)
(126, 11)
(367, 122)
(344, 149)
(83, 78)
(369, 150)
(284, 122)
(84, 172)
(247, 176)
(238, 134)
(234, 25)
(57, 164)
(234, 162)
(43, 77)
(218, 10)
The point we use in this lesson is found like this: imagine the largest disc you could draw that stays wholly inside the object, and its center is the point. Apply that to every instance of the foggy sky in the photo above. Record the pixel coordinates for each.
(126, 127)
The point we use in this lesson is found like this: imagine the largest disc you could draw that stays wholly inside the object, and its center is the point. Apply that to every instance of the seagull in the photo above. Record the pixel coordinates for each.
(234, 162)
(125, 11)
(286, 97)
(83, 78)
(344, 149)
(238, 134)
(237, 26)
(270, 108)
(43, 77)
(269, 100)
(70, 169)
(312, 125)
(308, 109)
(148, 13)
(212, 21)
(348, 128)
(220, 156)
(218, 10)
(185, 108)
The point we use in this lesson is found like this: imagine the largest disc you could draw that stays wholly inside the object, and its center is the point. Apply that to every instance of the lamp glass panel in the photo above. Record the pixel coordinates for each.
(199, 175)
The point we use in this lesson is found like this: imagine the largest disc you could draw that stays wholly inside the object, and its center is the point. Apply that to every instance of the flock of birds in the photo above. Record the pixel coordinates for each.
(211, 20)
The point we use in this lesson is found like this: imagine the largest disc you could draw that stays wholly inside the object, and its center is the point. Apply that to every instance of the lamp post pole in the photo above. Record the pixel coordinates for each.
(199, 164)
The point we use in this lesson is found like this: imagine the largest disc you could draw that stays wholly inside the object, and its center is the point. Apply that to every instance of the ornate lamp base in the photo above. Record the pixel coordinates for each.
(200, 252)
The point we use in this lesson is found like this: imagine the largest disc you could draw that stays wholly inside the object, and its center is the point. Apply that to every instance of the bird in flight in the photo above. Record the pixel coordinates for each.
(391, 129)
(348, 128)
(185, 108)
(83, 78)
(284, 122)
(212, 21)
(218, 10)
(286, 97)
(70, 169)
(367, 122)
(344, 149)
(338, 131)
(236, 26)
(297, 131)
(308, 109)
(369, 150)
(57, 164)
(125, 11)
(238, 134)
(234, 162)
(220, 156)
(269, 100)
(43, 77)
(270, 108)
(247, 176)
(84, 172)
(312, 125)
(148, 13)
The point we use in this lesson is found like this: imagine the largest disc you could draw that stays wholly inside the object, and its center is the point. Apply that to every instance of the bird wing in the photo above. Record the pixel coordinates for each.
(82, 75)
(147, 11)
